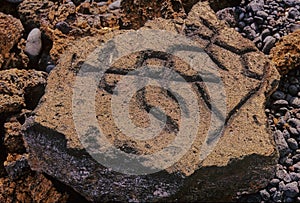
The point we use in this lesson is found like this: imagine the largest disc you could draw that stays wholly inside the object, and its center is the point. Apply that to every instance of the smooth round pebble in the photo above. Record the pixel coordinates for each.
(34, 43)
(49, 68)
(293, 90)
(278, 95)
(293, 144)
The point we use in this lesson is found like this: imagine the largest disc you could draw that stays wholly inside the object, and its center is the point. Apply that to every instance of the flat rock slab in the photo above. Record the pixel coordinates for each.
(199, 83)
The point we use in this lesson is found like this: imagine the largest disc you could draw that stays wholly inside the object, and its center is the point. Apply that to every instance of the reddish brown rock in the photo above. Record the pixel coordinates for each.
(136, 13)
(34, 188)
(11, 30)
(65, 22)
(286, 54)
(20, 89)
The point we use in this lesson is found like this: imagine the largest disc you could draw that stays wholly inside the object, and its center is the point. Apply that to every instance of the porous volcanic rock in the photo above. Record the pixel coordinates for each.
(34, 188)
(19, 89)
(64, 22)
(136, 13)
(239, 157)
(11, 30)
(286, 54)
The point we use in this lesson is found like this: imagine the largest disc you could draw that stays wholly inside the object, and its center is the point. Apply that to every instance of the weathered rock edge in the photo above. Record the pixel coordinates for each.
(244, 158)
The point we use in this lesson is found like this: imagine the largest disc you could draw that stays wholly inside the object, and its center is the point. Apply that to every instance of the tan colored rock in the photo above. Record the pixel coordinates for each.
(11, 30)
(65, 22)
(286, 54)
(34, 188)
(241, 156)
(136, 13)
(19, 89)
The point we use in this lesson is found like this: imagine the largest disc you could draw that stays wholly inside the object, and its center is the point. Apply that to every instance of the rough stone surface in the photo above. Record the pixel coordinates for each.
(19, 89)
(243, 159)
(67, 21)
(34, 188)
(136, 13)
(286, 53)
(11, 30)
(13, 140)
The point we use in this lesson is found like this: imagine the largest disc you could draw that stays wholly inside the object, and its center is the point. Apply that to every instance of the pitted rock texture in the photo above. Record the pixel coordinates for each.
(19, 89)
(34, 188)
(11, 31)
(64, 22)
(136, 13)
(244, 158)
(286, 53)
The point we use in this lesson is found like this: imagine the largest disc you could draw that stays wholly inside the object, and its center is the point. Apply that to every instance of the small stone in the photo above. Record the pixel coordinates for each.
(290, 3)
(241, 16)
(293, 90)
(64, 27)
(241, 24)
(248, 20)
(293, 131)
(49, 68)
(297, 167)
(293, 13)
(262, 14)
(269, 43)
(294, 122)
(34, 43)
(283, 175)
(228, 15)
(295, 102)
(115, 5)
(274, 182)
(293, 144)
(273, 189)
(281, 102)
(282, 145)
(277, 196)
(264, 195)
(277, 36)
(289, 162)
(265, 33)
(286, 134)
(291, 189)
(249, 32)
(278, 95)
(281, 185)
(295, 176)
(259, 45)
(254, 26)
(296, 158)
(256, 5)
(258, 19)
(293, 27)
(288, 199)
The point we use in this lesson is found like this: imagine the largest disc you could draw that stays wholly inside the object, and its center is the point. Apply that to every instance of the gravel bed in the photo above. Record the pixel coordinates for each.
(265, 22)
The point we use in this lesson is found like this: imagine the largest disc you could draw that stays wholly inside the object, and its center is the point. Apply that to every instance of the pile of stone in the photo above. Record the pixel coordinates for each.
(264, 21)
(283, 111)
